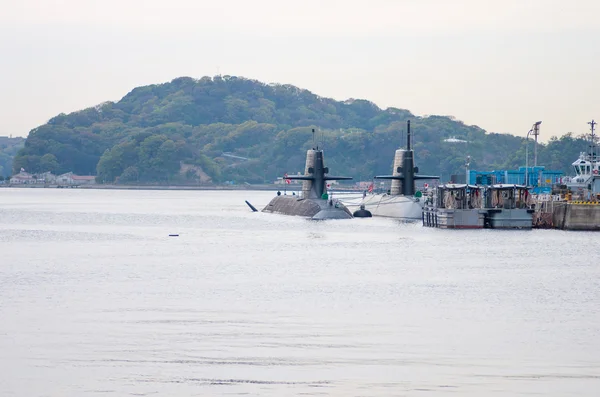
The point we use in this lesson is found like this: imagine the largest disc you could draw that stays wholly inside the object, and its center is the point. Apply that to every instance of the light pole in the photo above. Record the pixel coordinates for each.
(535, 130)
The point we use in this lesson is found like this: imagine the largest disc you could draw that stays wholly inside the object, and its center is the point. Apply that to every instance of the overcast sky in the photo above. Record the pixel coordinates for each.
(501, 65)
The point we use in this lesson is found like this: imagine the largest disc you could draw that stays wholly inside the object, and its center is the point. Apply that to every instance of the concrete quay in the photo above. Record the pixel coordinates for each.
(577, 215)
(567, 215)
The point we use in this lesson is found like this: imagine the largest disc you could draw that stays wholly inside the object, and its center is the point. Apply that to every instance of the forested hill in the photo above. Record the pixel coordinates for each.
(235, 129)
(9, 147)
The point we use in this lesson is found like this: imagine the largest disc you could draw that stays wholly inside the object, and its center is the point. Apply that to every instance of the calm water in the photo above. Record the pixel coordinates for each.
(97, 299)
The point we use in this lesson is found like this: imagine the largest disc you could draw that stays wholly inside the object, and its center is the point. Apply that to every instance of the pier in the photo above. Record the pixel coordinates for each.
(562, 213)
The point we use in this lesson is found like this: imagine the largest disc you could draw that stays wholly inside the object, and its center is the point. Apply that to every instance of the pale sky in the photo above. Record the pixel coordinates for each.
(501, 65)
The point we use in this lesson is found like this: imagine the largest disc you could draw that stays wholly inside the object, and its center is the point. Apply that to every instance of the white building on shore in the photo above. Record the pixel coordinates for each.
(22, 178)
(48, 178)
(71, 179)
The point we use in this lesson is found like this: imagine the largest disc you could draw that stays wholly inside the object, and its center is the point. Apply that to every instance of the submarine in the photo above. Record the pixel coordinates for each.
(313, 202)
(402, 201)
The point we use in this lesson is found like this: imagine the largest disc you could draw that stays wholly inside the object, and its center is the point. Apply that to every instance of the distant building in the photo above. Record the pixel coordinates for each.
(71, 179)
(9, 140)
(285, 181)
(363, 185)
(282, 181)
(46, 177)
(22, 178)
(454, 139)
(539, 178)
(84, 179)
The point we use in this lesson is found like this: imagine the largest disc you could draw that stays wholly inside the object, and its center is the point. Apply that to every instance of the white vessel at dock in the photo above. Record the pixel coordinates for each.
(402, 201)
(587, 171)
(398, 206)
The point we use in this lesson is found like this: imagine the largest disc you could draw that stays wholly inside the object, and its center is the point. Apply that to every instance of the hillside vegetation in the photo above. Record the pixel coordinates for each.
(236, 129)
(8, 149)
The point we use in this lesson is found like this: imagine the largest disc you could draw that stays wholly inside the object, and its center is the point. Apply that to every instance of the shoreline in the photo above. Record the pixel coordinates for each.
(148, 187)
(262, 187)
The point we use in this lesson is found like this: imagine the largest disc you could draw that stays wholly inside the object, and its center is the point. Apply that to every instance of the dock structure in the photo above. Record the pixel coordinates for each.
(506, 206)
(455, 206)
(561, 212)
(575, 203)
(460, 206)
(576, 215)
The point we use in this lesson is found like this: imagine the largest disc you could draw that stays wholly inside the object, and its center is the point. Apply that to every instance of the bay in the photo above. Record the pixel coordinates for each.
(97, 299)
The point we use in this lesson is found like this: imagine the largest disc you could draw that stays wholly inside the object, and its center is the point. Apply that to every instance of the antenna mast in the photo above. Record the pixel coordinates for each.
(401, 136)
(593, 143)
(408, 135)
(467, 174)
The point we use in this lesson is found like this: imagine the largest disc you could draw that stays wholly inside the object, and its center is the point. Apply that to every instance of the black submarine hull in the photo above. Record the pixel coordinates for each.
(309, 208)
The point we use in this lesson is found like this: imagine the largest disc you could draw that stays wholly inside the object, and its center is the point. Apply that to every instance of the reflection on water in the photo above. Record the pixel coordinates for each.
(96, 298)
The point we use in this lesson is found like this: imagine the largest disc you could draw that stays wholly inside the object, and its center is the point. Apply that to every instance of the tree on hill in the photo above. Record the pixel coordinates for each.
(8, 150)
(212, 122)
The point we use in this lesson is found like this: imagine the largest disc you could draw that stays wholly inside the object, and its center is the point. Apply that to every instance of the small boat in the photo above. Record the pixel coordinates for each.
(508, 207)
(455, 206)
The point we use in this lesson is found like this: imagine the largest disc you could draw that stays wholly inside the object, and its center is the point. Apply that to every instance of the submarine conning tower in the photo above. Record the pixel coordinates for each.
(404, 172)
(314, 187)
(315, 175)
(311, 204)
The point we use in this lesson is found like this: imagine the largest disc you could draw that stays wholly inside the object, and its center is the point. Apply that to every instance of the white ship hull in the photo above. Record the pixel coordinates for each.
(400, 207)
